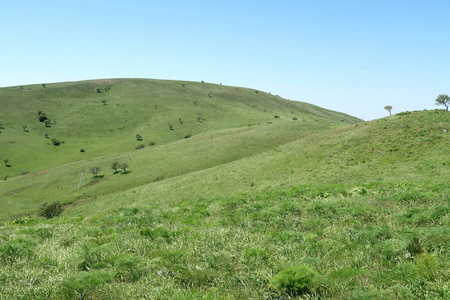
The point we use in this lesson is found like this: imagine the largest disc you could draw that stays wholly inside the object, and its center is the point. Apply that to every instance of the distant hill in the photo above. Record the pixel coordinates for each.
(103, 117)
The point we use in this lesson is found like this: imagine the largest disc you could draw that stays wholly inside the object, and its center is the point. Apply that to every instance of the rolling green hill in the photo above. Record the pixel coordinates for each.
(249, 207)
(145, 107)
(226, 124)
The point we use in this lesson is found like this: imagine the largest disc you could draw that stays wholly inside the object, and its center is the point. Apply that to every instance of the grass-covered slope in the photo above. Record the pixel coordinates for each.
(80, 119)
(355, 212)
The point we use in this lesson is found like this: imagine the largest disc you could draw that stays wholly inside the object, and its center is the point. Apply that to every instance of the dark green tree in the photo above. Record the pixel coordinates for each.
(124, 167)
(114, 166)
(50, 210)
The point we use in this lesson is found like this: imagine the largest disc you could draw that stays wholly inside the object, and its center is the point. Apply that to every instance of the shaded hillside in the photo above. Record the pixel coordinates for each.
(103, 117)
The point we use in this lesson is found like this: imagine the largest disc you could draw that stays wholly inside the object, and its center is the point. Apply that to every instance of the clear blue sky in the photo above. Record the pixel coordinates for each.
(354, 56)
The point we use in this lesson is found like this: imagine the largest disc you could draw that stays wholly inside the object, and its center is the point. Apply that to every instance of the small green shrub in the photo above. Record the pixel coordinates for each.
(152, 144)
(93, 256)
(187, 136)
(56, 142)
(13, 250)
(295, 280)
(141, 146)
(50, 210)
(80, 285)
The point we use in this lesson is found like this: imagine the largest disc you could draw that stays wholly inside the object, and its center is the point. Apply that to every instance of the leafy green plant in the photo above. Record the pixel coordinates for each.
(297, 280)
(50, 210)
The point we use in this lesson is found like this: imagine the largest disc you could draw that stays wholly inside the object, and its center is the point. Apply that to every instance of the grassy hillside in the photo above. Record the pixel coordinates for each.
(269, 209)
(145, 107)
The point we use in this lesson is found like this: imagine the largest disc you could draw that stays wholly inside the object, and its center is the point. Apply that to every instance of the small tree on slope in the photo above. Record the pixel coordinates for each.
(443, 100)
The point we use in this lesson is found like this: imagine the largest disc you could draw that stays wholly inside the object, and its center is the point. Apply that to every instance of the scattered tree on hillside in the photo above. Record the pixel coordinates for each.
(2, 126)
(156, 106)
(6, 161)
(170, 126)
(104, 102)
(46, 135)
(140, 146)
(47, 122)
(24, 127)
(443, 99)
(114, 166)
(124, 167)
(195, 102)
(152, 144)
(43, 85)
(99, 90)
(388, 108)
(181, 121)
(94, 170)
(5, 177)
(42, 117)
(40, 112)
(139, 137)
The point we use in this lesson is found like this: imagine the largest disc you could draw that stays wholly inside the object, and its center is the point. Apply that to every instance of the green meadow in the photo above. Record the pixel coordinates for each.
(229, 193)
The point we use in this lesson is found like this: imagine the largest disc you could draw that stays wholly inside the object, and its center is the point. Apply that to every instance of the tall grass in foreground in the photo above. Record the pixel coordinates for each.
(379, 241)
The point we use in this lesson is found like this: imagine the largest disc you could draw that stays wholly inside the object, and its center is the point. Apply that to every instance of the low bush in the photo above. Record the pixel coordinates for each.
(80, 285)
(295, 280)
(56, 142)
(13, 250)
(141, 146)
(50, 210)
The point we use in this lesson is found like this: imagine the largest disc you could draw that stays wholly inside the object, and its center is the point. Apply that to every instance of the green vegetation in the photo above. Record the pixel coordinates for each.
(443, 100)
(248, 207)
